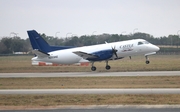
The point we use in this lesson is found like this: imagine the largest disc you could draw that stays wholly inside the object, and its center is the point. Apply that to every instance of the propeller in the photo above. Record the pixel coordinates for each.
(114, 51)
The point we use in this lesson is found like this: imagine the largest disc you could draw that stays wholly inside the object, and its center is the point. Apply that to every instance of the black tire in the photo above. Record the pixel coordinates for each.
(93, 68)
(108, 67)
(147, 62)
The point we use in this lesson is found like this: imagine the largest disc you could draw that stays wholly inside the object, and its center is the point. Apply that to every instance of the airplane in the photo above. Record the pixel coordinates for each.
(94, 53)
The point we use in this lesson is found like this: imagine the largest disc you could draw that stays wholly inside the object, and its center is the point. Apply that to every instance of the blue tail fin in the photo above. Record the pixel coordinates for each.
(39, 43)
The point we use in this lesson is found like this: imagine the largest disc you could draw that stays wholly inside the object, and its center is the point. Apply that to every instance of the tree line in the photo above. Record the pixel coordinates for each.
(8, 45)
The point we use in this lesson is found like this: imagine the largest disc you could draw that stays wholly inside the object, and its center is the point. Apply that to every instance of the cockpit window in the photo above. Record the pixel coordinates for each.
(146, 42)
(140, 43)
(143, 42)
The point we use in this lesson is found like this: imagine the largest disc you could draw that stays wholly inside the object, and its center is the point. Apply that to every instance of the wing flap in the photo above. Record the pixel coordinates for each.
(40, 54)
(85, 55)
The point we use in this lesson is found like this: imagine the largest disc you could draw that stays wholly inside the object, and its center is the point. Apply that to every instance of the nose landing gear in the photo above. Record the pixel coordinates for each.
(147, 60)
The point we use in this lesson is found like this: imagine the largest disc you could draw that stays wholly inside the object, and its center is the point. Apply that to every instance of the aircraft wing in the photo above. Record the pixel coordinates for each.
(40, 53)
(85, 55)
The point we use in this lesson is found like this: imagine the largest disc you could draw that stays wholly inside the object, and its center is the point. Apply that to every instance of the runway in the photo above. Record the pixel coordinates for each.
(90, 74)
(102, 108)
(91, 91)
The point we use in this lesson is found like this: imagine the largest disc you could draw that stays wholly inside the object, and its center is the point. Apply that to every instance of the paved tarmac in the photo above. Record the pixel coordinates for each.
(106, 108)
(101, 110)
(90, 74)
(92, 91)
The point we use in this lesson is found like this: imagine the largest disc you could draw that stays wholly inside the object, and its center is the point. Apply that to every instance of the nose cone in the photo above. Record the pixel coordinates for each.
(156, 48)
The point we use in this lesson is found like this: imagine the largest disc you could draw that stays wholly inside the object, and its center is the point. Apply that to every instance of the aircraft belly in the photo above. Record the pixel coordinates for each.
(68, 58)
(65, 58)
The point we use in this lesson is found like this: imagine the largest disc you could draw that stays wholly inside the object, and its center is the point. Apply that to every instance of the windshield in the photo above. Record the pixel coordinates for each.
(143, 42)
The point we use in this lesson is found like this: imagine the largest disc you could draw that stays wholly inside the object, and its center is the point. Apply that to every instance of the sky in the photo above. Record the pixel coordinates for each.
(66, 18)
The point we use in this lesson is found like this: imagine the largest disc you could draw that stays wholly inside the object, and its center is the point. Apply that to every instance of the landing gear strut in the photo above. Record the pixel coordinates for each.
(107, 66)
(147, 60)
(93, 68)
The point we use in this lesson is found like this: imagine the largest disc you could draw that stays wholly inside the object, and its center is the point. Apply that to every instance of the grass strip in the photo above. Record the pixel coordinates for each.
(22, 64)
(91, 82)
(57, 100)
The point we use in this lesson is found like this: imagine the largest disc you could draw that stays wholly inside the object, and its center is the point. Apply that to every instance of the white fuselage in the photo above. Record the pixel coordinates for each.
(124, 49)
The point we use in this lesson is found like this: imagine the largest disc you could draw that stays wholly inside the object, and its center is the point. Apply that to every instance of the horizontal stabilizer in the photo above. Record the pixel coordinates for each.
(85, 55)
(40, 53)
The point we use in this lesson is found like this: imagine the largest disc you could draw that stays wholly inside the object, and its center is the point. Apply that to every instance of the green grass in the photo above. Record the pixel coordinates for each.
(19, 64)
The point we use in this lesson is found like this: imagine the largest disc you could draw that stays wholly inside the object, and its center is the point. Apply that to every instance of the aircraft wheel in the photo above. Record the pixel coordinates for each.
(108, 67)
(147, 62)
(93, 68)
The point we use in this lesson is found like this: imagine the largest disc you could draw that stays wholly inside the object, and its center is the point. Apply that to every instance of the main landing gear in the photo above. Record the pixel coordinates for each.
(93, 68)
(107, 66)
(147, 60)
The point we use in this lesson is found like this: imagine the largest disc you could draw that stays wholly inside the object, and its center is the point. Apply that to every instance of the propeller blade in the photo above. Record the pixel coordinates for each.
(114, 51)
